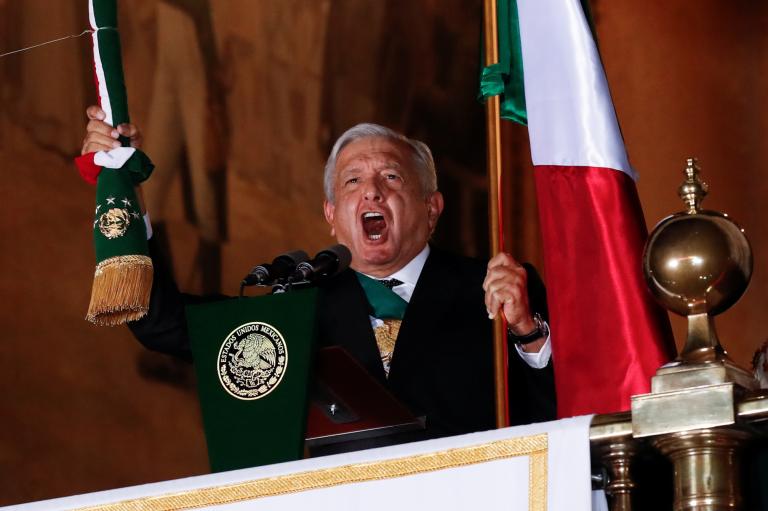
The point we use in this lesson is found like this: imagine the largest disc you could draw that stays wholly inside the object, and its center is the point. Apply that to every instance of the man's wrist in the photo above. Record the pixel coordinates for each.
(535, 330)
(523, 327)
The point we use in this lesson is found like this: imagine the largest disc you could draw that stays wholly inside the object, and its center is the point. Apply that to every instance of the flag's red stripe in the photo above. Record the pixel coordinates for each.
(608, 334)
(95, 73)
(89, 171)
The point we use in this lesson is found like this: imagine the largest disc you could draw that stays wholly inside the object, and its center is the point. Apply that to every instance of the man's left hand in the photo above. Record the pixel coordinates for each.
(506, 290)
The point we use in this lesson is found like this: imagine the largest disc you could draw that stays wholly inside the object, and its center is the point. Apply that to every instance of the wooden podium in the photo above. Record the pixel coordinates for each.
(349, 410)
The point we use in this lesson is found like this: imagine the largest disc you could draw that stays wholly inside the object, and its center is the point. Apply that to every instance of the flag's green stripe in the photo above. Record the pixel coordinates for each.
(109, 51)
(506, 77)
(105, 13)
(513, 101)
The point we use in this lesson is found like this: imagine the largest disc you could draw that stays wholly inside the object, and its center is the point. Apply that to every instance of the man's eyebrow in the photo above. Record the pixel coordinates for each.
(389, 165)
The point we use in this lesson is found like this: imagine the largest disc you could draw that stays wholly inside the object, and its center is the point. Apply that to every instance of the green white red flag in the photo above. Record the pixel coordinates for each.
(123, 277)
(608, 335)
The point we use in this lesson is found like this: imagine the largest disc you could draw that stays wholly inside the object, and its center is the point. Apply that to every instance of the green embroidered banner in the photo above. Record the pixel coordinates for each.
(123, 277)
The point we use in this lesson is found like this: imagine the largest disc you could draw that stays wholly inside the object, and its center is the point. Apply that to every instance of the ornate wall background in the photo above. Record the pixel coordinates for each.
(85, 408)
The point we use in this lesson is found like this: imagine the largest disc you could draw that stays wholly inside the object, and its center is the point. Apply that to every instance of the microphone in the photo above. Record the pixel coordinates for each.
(327, 263)
(282, 266)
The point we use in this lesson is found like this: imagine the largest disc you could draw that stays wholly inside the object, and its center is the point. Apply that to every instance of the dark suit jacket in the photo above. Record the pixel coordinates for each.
(442, 366)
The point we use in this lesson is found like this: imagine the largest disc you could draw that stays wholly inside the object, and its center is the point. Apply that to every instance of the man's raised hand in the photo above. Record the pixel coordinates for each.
(506, 290)
(100, 136)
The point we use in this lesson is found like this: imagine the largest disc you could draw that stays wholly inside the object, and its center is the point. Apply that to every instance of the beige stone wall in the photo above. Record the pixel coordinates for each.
(86, 408)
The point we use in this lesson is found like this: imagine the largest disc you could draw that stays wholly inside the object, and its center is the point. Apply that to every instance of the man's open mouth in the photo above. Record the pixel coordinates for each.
(373, 225)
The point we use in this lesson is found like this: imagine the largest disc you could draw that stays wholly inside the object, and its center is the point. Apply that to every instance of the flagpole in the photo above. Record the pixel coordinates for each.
(493, 130)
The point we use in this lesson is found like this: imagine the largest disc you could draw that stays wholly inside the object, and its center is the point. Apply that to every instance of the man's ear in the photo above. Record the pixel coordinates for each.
(329, 209)
(435, 205)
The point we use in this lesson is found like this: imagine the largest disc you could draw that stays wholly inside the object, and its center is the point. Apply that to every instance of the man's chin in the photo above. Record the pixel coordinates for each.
(377, 257)
(369, 258)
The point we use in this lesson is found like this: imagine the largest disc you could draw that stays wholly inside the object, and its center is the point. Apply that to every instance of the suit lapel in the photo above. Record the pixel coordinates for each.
(346, 322)
(431, 298)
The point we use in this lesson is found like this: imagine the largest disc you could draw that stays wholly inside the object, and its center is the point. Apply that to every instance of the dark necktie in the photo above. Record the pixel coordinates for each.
(390, 283)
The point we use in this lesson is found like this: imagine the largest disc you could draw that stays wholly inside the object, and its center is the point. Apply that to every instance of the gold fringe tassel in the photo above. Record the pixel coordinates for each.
(121, 288)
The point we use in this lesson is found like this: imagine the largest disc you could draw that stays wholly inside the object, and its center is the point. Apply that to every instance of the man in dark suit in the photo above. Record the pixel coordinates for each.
(382, 202)
(415, 317)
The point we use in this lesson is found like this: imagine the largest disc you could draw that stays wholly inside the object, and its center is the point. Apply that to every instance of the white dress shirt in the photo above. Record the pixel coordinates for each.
(409, 275)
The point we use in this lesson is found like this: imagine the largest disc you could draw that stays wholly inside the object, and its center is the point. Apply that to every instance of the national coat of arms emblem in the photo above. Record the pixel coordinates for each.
(252, 360)
(114, 222)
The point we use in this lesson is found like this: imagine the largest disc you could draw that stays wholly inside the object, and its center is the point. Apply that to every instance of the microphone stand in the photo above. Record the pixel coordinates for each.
(279, 287)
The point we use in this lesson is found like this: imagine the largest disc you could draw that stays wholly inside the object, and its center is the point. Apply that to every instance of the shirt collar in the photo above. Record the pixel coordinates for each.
(408, 275)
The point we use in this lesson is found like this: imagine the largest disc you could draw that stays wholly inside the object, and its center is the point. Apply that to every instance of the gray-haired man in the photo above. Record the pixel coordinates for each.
(382, 202)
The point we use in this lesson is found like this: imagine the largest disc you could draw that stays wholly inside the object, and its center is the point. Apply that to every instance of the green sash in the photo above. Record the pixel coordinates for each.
(386, 304)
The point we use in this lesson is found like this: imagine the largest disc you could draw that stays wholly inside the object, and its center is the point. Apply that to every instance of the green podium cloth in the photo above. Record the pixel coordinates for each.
(252, 359)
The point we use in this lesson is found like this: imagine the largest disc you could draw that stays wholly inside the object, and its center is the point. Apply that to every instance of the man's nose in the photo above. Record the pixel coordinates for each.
(373, 191)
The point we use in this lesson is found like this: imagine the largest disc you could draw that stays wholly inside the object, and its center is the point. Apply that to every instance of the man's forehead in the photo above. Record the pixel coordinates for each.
(374, 148)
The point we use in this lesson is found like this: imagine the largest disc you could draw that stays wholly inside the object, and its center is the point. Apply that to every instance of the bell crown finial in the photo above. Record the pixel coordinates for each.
(693, 190)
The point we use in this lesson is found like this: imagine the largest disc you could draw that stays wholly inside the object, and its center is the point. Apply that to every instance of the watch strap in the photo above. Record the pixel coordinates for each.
(539, 331)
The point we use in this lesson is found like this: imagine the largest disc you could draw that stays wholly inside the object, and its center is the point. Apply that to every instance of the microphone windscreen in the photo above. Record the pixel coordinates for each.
(343, 257)
(294, 257)
(327, 263)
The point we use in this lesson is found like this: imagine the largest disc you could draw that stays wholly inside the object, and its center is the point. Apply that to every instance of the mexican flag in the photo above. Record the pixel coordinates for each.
(608, 335)
(122, 279)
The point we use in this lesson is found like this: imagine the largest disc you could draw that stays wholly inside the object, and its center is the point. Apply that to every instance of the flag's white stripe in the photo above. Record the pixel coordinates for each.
(113, 159)
(91, 16)
(102, 82)
(571, 120)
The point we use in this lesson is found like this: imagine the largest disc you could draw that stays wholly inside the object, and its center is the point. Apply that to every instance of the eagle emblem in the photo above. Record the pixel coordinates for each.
(252, 360)
(114, 222)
